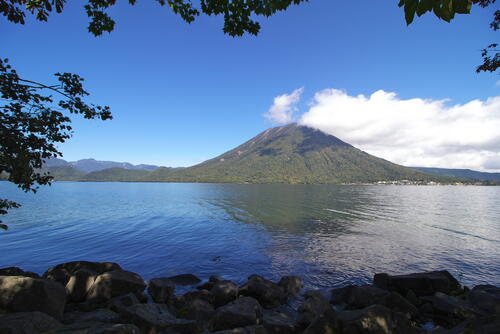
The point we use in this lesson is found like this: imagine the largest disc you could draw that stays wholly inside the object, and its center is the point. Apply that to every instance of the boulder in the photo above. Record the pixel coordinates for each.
(156, 318)
(121, 302)
(16, 271)
(93, 327)
(183, 302)
(224, 292)
(161, 289)
(483, 325)
(485, 298)
(375, 319)
(100, 315)
(78, 285)
(244, 311)
(358, 297)
(196, 309)
(113, 284)
(150, 318)
(27, 323)
(26, 294)
(313, 306)
(291, 285)
(449, 311)
(268, 293)
(185, 279)
(277, 322)
(326, 323)
(422, 284)
(62, 272)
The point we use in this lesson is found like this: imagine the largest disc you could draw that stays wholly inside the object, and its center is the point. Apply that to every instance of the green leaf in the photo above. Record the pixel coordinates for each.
(410, 9)
(3, 226)
(462, 6)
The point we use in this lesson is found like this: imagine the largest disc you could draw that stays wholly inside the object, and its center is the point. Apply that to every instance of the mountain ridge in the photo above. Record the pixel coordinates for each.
(92, 165)
(284, 154)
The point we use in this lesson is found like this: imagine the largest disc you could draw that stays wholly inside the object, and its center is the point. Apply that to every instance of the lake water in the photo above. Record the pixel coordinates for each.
(330, 235)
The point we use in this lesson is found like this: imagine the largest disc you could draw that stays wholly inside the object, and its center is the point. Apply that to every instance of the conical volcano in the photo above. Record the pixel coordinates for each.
(293, 154)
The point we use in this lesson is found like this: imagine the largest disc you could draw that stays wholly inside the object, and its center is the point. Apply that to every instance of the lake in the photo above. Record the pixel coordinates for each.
(330, 235)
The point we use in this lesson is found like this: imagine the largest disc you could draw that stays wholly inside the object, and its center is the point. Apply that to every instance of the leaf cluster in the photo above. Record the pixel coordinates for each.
(33, 120)
(443, 9)
(238, 14)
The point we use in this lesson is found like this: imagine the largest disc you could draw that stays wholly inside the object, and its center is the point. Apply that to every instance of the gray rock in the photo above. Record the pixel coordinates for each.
(16, 271)
(358, 297)
(313, 306)
(113, 284)
(183, 302)
(161, 289)
(224, 292)
(62, 272)
(93, 327)
(448, 310)
(185, 279)
(268, 293)
(244, 311)
(375, 319)
(484, 325)
(27, 323)
(196, 309)
(100, 315)
(121, 302)
(291, 285)
(79, 284)
(486, 298)
(150, 318)
(326, 323)
(422, 284)
(26, 294)
(276, 322)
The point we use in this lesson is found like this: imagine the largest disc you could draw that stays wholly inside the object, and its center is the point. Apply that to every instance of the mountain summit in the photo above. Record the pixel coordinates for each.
(292, 154)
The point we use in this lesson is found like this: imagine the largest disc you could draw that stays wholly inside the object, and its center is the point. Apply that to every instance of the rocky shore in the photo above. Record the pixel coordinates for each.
(101, 297)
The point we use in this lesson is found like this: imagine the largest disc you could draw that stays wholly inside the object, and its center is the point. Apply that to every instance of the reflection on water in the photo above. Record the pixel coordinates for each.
(328, 234)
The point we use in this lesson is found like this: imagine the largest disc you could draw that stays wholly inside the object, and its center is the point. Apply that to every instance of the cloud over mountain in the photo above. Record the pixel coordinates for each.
(283, 108)
(412, 132)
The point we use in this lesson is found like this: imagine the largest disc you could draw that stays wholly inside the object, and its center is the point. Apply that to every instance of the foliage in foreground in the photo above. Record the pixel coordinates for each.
(33, 120)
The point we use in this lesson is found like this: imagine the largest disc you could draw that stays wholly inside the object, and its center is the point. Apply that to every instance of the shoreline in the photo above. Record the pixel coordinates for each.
(101, 297)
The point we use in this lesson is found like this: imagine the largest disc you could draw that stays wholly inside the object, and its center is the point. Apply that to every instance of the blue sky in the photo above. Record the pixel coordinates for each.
(182, 93)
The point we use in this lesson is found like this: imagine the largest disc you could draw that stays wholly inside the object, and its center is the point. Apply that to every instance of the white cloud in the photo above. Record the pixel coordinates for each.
(413, 132)
(283, 108)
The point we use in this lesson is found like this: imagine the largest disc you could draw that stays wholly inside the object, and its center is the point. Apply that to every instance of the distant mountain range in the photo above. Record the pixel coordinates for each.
(285, 154)
(92, 165)
(463, 173)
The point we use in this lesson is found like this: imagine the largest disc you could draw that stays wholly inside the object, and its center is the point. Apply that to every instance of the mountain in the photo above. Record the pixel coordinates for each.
(116, 174)
(92, 165)
(294, 154)
(64, 173)
(463, 173)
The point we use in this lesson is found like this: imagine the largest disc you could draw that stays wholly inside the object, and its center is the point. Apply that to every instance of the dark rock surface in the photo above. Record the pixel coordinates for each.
(26, 294)
(27, 323)
(104, 299)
